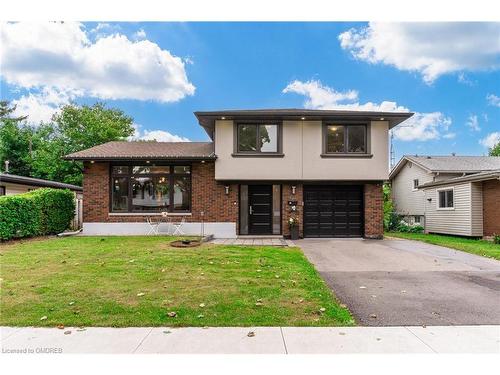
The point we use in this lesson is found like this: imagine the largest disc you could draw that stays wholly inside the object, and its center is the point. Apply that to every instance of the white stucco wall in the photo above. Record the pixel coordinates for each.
(302, 148)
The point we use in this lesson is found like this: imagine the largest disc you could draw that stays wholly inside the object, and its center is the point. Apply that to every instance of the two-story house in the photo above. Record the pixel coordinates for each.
(324, 168)
(457, 195)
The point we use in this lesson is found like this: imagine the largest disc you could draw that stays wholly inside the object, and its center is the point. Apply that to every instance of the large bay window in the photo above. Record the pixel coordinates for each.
(150, 188)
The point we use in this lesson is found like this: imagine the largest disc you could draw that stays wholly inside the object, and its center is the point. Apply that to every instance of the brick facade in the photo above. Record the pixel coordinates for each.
(374, 211)
(286, 213)
(207, 196)
(491, 207)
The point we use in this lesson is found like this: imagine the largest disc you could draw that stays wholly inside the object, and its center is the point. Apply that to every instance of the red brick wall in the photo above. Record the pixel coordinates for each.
(286, 193)
(207, 196)
(374, 211)
(491, 207)
(95, 192)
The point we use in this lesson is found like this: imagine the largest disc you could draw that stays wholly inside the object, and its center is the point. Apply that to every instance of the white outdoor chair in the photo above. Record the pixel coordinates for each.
(177, 226)
(153, 226)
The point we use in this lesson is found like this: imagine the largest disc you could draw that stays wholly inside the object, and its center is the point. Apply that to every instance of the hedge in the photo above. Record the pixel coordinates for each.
(37, 213)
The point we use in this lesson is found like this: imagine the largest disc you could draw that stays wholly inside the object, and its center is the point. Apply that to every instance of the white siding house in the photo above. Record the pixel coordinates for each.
(461, 176)
(464, 218)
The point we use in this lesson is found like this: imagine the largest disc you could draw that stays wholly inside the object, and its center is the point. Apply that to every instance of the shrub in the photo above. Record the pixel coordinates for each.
(496, 239)
(404, 227)
(37, 213)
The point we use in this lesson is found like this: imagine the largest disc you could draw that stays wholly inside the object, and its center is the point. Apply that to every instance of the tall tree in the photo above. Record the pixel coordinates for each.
(75, 128)
(37, 151)
(16, 143)
(495, 150)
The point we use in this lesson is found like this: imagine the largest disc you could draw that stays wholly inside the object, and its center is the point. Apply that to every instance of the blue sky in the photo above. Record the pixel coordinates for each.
(448, 73)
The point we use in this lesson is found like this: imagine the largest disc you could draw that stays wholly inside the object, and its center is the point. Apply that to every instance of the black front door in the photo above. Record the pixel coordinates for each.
(260, 209)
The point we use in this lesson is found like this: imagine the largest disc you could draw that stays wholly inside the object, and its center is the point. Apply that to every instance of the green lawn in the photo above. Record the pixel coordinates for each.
(478, 247)
(137, 281)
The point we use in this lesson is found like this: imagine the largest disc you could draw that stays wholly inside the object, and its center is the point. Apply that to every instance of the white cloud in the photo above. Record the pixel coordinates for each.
(41, 106)
(319, 96)
(491, 140)
(449, 135)
(155, 135)
(62, 56)
(420, 127)
(104, 29)
(473, 123)
(493, 100)
(431, 49)
(424, 127)
(139, 35)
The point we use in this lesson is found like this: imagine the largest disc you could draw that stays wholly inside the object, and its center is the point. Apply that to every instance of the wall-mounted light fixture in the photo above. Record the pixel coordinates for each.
(92, 162)
(294, 188)
(302, 118)
(147, 161)
(226, 189)
(429, 199)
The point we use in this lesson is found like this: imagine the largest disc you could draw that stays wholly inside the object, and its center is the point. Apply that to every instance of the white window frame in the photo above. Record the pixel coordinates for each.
(437, 199)
(413, 184)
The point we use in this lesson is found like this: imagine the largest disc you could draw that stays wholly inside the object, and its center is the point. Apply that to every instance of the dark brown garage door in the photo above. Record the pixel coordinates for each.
(333, 211)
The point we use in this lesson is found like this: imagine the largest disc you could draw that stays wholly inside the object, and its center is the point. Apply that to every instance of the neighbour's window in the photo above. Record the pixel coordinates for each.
(445, 198)
(415, 184)
(257, 138)
(2, 190)
(345, 139)
(151, 188)
(416, 219)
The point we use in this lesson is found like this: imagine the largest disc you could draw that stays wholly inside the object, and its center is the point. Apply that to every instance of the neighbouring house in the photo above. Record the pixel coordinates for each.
(11, 184)
(323, 168)
(457, 195)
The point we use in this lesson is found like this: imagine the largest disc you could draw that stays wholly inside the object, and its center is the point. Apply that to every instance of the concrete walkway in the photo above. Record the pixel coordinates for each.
(265, 340)
(246, 241)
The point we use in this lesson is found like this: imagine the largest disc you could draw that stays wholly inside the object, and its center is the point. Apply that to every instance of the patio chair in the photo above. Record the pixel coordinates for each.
(153, 226)
(177, 226)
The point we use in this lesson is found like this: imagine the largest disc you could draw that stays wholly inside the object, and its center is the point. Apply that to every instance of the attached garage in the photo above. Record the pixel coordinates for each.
(333, 211)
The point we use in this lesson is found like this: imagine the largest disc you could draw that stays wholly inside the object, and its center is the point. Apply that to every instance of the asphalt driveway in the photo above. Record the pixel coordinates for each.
(402, 282)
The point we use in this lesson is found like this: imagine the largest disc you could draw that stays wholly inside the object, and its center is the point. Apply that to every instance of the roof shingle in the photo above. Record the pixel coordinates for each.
(457, 163)
(119, 150)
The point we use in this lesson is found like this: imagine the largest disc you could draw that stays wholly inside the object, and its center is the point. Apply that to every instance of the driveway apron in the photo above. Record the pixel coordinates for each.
(401, 282)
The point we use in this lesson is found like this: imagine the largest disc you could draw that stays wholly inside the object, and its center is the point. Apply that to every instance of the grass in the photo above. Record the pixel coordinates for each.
(99, 281)
(469, 245)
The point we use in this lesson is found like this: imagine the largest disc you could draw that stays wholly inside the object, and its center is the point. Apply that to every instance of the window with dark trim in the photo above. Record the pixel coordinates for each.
(345, 139)
(258, 138)
(150, 188)
(2, 190)
(415, 184)
(445, 198)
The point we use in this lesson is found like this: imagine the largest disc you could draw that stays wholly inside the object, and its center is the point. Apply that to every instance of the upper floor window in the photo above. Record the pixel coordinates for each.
(445, 198)
(415, 184)
(345, 139)
(258, 138)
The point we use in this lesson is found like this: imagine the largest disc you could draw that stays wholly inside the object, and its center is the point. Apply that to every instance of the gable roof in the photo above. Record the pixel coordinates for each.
(22, 180)
(207, 118)
(474, 177)
(449, 164)
(143, 150)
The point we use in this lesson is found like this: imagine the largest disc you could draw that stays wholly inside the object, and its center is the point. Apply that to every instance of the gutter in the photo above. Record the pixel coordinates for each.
(142, 158)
